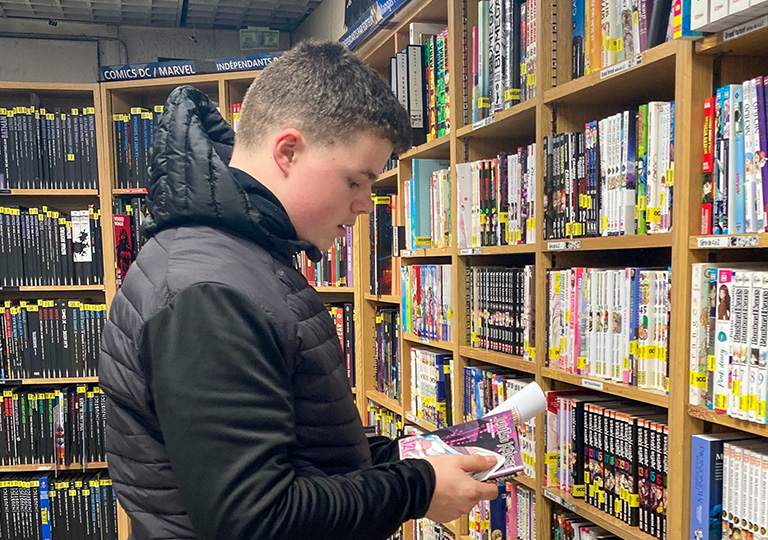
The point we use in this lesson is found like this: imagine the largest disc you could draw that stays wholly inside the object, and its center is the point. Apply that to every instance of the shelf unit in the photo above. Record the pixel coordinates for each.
(683, 71)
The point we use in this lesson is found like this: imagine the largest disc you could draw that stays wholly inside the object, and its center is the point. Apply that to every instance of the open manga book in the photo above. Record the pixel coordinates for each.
(495, 434)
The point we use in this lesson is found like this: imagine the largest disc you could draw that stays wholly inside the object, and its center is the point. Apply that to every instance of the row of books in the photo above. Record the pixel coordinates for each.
(431, 395)
(497, 199)
(484, 390)
(729, 339)
(384, 421)
(569, 526)
(433, 38)
(58, 426)
(503, 62)
(50, 338)
(426, 529)
(604, 33)
(40, 246)
(407, 78)
(382, 234)
(614, 178)
(735, 178)
(343, 317)
(611, 323)
(729, 475)
(512, 516)
(427, 198)
(134, 134)
(41, 149)
(334, 269)
(34, 506)
(387, 367)
(717, 15)
(611, 453)
(427, 205)
(128, 215)
(500, 309)
(427, 305)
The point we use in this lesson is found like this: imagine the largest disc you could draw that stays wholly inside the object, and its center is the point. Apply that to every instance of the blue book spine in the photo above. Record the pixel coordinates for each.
(706, 488)
(498, 514)
(45, 509)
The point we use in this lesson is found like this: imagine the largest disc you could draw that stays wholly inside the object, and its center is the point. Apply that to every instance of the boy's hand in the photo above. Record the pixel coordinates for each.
(456, 493)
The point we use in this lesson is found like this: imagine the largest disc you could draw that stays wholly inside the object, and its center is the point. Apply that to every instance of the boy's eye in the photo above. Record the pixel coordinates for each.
(353, 184)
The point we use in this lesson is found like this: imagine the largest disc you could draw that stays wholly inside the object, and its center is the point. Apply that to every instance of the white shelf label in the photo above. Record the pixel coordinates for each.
(424, 340)
(482, 123)
(594, 385)
(562, 246)
(621, 66)
(408, 253)
(727, 241)
(568, 505)
(466, 251)
(552, 497)
(746, 28)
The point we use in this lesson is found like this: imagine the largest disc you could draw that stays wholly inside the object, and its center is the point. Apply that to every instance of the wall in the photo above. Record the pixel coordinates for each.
(325, 22)
(32, 50)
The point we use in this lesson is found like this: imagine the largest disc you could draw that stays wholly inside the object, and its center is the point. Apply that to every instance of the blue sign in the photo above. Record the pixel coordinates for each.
(371, 21)
(154, 70)
(245, 63)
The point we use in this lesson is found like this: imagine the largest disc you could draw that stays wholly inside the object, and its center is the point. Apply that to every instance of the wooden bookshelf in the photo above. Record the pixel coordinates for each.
(136, 192)
(47, 467)
(526, 481)
(749, 44)
(416, 340)
(386, 402)
(730, 241)
(49, 192)
(43, 381)
(498, 359)
(642, 395)
(383, 298)
(517, 121)
(598, 517)
(603, 243)
(513, 249)
(386, 179)
(702, 413)
(335, 290)
(54, 288)
(435, 149)
(425, 252)
(422, 423)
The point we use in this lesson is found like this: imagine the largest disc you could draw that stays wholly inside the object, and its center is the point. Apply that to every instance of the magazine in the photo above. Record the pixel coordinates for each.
(495, 434)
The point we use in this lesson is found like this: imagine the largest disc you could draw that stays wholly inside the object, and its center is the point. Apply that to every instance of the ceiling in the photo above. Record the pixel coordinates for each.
(276, 14)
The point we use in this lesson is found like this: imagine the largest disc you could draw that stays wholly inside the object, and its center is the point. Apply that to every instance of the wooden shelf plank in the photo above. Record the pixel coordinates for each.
(513, 249)
(383, 298)
(702, 413)
(525, 480)
(424, 424)
(50, 192)
(518, 122)
(435, 149)
(386, 177)
(498, 359)
(603, 243)
(343, 290)
(386, 402)
(47, 381)
(426, 252)
(739, 241)
(653, 76)
(50, 467)
(751, 44)
(644, 395)
(129, 191)
(444, 345)
(598, 517)
(54, 288)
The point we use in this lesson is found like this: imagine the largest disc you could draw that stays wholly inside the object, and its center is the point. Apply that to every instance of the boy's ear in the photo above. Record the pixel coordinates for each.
(286, 145)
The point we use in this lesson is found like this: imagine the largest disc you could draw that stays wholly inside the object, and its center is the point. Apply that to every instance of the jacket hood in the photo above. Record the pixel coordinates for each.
(191, 182)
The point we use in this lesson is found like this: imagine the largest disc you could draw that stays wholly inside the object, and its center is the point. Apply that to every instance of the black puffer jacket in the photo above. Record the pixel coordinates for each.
(229, 412)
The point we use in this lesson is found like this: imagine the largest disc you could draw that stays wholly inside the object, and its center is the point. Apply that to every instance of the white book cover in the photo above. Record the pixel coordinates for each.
(761, 375)
(749, 101)
(724, 314)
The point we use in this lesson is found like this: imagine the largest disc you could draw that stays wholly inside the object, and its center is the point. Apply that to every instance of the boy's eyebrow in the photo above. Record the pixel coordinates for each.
(369, 173)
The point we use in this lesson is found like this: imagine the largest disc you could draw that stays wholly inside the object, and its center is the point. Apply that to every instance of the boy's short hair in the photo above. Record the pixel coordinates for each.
(327, 93)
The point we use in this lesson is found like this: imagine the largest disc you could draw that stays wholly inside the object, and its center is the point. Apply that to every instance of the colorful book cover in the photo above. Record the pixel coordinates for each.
(493, 435)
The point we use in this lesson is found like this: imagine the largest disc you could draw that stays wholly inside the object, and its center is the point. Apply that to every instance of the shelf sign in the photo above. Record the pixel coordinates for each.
(370, 21)
(471, 251)
(727, 241)
(153, 70)
(482, 123)
(245, 63)
(621, 66)
(746, 28)
(562, 246)
(408, 253)
(594, 385)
